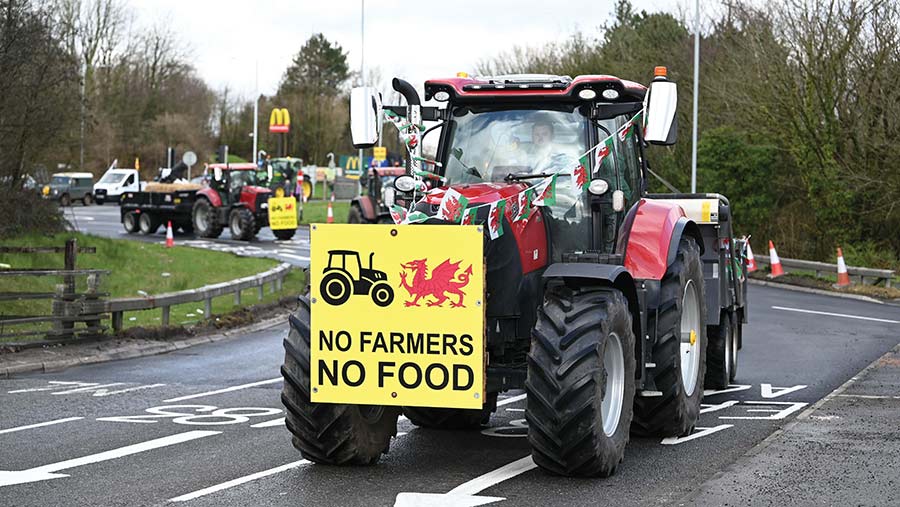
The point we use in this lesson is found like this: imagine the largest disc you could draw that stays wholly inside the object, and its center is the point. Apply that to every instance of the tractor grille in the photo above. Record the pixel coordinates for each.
(591, 257)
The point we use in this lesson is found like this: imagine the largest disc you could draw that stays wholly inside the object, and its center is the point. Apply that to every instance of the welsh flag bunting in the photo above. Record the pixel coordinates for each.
(416, 217)
(579, 176)
(469, 216)
(603, 151)
(626, 131)
(495, 218)
(524, 205)
(452, 205)
(511, 207)
(546, 192)
(398, 214)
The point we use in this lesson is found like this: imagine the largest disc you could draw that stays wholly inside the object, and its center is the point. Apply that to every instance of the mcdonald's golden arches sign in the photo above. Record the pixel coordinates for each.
(279, 121)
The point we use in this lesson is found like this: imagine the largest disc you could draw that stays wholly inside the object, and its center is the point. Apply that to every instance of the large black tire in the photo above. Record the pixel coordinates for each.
(323, 432)
(130, 222)
(567, 381)
(452, 418)
(284, 234)
(87, 200)
(65, 201)
(241, 224)
(203, 216)
(355, 216)
(721, 356)
(149, 223)
(675, 411)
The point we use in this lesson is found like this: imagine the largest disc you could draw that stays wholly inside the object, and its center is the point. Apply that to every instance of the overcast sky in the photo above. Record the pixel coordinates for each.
(425, 42)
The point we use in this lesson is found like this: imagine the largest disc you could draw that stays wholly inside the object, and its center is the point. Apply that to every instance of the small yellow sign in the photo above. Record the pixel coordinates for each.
(380, 153)
(282, 213)
(397, 315)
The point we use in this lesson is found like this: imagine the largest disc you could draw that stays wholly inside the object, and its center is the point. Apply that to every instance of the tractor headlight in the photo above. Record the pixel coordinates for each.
(405, 183)
(264, 205)
(598, 187)
(387, 196)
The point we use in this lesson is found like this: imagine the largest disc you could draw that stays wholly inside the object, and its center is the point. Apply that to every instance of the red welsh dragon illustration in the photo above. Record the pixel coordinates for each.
(443, 281)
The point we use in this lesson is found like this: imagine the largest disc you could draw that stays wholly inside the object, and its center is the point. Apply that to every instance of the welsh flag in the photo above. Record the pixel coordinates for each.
(495, 218)
(524, 204)
(452, 205)
(626, 131)
(579, 176)
(416, 217)
(398, 214)
(546, 192)
(469, 216)
(603, 151)
(511, 207)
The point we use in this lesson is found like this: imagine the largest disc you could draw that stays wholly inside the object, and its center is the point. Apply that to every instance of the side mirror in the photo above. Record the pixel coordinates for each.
(217, 173)
(365, 110)
(660, 104)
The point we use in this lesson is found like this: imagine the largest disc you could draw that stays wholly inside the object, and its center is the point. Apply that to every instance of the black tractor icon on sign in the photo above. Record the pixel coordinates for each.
(345, 275)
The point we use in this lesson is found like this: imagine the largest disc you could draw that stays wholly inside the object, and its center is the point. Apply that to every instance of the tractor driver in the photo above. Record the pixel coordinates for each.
(546, 159)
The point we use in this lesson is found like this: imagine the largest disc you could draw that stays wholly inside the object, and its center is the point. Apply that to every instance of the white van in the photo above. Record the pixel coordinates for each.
(114, 183)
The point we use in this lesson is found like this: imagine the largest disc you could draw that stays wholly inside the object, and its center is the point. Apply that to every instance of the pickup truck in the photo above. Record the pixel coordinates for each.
(115, 183)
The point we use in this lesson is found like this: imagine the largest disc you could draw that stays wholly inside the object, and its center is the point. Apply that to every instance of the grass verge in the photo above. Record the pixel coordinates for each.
(316, 212)
(137, 266)
(808, 279)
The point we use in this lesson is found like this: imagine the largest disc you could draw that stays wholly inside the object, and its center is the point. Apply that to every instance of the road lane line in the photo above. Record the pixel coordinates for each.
(830, 314)
(238, 481)
(511, 399)
(292, 256)
(269, 424)
(47, 472)
(225, 390)
(860, 396)
(39, 425)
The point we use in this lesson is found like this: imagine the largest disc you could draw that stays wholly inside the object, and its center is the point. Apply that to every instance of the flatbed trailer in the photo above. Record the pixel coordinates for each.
(146, 211)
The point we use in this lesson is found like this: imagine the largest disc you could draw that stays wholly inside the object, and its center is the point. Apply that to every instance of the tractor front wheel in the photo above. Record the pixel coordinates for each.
(241, 224)
(580, 382)
(332, 434)
(336, 288)
(452, 418)
(679, 353)
(382, 294)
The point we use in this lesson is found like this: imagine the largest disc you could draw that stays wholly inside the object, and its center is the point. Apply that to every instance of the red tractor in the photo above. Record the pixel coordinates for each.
(233, 199)
(612, 308)
(374, 207)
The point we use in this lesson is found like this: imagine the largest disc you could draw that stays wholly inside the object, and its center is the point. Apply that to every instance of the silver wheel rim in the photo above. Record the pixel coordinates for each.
(614, 387)
(236, 224)
(734, 351)
(690, 338)
(729, 352)
(200, 219)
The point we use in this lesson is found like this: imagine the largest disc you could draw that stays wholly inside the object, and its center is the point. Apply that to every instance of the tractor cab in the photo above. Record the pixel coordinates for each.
(237, 183)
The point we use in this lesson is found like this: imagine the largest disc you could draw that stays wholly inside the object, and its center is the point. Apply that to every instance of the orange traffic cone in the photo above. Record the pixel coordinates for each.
(774, 261)
(170, 239)
(330, 218)
(843, 277)
(751, 262)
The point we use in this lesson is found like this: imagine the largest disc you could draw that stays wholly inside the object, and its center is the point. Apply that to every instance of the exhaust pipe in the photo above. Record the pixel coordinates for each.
(407, 90)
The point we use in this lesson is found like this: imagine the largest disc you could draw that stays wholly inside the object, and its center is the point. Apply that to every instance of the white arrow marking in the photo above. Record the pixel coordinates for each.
(238, 481)
(776, 414)
(42, 473)
(269, 424)
(733, 388)
(226, 390)
(702, 433)
(704, 408)
(38, 425)
(464, 494)
(770, 392)
(54, 384)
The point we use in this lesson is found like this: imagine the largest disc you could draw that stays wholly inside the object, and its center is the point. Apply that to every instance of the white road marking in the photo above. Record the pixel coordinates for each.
(511, 399)
(791, 407)
(769, 392)
(269, 424)
(464, 494)
(292, 256)
(704, 408)
(225, 390)
(830, 314)
(862, 396)
(46, 472)
(238, 481)
(515, 410)
(703, 432)
(733, 388)
(101, 390)
(39, 425)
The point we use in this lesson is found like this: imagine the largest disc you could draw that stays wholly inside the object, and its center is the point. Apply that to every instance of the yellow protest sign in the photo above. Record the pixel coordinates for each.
(397, 315)
(282, 213)
(380, 153)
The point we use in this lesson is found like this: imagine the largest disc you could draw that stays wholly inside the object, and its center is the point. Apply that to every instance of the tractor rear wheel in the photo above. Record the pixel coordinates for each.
(130, 222)
(355, 216)
(328, 433)
(241, 224)
(721, 357)
(679, 353)
(580, 381)
(452, 418)
(203, 216)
